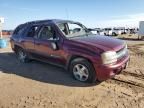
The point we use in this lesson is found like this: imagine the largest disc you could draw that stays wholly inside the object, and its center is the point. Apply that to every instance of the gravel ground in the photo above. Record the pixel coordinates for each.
(40, 85)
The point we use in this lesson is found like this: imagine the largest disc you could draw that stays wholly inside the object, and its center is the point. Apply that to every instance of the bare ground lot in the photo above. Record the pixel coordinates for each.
(40, 85)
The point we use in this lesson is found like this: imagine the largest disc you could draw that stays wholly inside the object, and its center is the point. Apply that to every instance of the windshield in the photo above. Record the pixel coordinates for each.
(70, 29)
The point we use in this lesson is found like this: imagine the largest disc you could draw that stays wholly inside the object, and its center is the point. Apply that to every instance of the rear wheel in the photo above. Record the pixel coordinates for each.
(83, 70)
(22, 55)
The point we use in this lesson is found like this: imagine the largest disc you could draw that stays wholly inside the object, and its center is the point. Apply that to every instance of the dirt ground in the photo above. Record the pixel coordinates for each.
(40, 85)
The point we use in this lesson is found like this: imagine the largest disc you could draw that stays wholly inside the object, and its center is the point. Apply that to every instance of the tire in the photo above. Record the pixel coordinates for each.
(114, 34)
(82, 70)
(22, 55)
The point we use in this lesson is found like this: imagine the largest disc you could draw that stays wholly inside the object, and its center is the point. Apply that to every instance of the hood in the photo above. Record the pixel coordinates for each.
(103, 42)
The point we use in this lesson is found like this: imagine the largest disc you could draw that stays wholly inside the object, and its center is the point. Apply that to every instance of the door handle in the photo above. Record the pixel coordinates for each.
(37, 43)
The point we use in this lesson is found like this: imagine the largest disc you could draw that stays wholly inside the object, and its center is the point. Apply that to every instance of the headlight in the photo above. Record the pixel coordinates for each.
(109, 57)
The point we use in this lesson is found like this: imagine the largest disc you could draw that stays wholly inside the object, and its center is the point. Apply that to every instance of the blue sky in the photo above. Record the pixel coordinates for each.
(92, 13)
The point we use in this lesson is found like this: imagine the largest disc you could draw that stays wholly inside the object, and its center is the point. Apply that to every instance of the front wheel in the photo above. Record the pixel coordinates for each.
(83, 70)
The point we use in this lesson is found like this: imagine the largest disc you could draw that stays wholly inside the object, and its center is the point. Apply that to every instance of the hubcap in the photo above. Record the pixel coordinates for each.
(21, 56)
(80, 72)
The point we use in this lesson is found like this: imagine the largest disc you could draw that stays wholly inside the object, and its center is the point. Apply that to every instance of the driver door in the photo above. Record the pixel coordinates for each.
(43, 46)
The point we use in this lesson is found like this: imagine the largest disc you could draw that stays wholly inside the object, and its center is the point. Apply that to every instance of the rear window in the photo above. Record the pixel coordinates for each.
(19, 30)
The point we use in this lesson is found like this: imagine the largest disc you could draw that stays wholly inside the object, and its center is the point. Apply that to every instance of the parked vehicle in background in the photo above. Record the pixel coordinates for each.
(110, 32)
(114, 31)
(70, 45)
(94, 31)
(106, 31)
(121, 30)
(133, 31)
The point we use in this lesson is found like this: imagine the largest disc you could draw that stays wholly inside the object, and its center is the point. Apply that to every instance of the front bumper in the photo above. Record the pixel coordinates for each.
(105, 72)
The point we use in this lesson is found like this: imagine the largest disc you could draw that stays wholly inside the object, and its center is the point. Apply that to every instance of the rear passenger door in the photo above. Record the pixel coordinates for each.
(28, 40)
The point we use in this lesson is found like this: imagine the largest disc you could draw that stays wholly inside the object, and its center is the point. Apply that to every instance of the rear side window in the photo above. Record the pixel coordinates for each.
(32, 31)
(46, 33)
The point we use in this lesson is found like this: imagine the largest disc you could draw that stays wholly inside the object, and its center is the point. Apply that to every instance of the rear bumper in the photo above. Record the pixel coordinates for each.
(105, 72)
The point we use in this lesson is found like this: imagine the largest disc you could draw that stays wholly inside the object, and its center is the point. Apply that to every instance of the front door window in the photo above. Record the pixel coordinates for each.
(46, 33)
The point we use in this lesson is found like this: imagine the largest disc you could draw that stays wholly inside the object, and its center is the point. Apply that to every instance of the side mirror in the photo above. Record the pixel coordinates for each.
(54, 46)
(54, 43)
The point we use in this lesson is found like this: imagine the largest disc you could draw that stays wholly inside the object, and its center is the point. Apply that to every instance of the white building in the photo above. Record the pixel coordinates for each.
(1, 23)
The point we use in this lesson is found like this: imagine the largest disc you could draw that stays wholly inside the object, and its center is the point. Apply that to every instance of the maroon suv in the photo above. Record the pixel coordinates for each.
(72, 46)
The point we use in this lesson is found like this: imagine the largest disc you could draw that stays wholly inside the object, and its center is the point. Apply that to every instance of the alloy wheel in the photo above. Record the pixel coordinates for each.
(80, 72)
